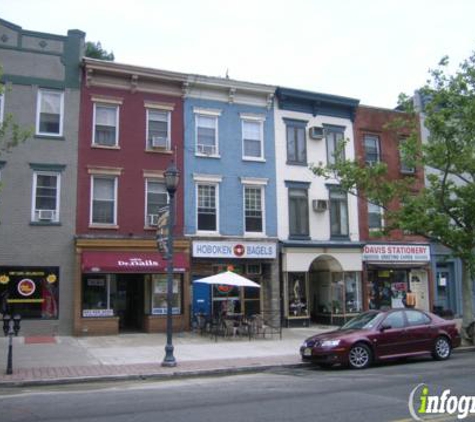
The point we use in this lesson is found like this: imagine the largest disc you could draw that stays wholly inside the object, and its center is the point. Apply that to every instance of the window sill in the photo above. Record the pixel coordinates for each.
(255, 160)
(207, 233)
(50, 137)
(45, 223)
(255, 234)
(336, 237)
(295, 163)
(207, 156)
(112, 147)
(104, 226)
(159, 151)
(295, 237)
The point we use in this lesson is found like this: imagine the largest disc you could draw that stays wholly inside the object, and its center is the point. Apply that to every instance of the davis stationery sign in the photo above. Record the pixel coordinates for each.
(407, 253)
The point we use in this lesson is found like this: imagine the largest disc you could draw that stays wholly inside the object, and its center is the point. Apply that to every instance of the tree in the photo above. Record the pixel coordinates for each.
(444, 210)
(95, 51)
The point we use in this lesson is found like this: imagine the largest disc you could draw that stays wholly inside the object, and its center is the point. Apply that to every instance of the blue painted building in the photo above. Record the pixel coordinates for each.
(230, 191)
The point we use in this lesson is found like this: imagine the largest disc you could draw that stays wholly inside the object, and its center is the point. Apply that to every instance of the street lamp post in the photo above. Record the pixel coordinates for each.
(171, 181)
(11, 326)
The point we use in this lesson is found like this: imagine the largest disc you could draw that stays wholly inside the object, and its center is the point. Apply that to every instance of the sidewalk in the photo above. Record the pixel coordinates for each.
(62, 359)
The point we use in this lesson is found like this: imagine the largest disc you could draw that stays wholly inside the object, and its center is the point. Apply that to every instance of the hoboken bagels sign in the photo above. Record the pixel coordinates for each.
(407, 253)
(223, 249)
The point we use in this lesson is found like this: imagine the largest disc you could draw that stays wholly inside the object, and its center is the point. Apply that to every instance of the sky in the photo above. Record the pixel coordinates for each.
(371, 50)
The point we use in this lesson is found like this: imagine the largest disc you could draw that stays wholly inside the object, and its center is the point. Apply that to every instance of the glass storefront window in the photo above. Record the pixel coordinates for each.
(159, 294)
(297, 295)
(31, 292)
(97, 295)
(353, 296)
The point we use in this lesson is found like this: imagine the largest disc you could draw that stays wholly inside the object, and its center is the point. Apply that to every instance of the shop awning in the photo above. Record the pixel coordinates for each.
(130, 262)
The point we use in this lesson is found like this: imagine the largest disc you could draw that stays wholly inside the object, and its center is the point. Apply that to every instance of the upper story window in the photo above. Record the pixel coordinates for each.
(334, 136)
(104, 200)
(158, 129)
(298, 210)
(339, 226)
(253, 209)
(252, 137)
(371, 149)
(46, 192)
(106, 128)
(207, 207)
(296, 141)
(50, 113)
(206, 122)
(375, 216)
(404, 168)
(157, 198)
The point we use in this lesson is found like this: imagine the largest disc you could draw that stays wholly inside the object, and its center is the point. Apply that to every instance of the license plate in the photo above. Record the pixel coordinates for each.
(307, 351)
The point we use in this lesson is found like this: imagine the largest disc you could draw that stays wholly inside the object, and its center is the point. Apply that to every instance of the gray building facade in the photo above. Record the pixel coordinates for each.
(41, 79)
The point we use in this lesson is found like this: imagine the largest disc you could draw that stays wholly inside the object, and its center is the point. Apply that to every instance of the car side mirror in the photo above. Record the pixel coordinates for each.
(385, 326)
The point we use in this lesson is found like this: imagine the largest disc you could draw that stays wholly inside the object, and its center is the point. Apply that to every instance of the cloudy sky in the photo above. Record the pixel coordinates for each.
(366, 49)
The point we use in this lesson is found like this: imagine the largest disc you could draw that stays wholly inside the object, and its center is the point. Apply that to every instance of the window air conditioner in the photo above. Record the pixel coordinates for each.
(152, 219)
(316, 132)
(159, 142)
(206, 149)
(45, 215)
(320, 205)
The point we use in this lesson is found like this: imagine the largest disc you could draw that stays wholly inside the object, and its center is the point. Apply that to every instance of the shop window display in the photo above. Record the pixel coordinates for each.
(98, 295)
(159, 294)
(297, 295)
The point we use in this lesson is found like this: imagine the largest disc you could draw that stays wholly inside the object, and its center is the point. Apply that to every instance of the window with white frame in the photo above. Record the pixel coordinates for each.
(339, 225)
(207, 134)
(46, 190)
(50, 112)
(158, 129)
(375, 216)
(106, 130)
(157, 199)
(253, 209)
(252, 139)
(103, 200)
(334, 140)
(207, 208)
(371, 149)
(296, 141)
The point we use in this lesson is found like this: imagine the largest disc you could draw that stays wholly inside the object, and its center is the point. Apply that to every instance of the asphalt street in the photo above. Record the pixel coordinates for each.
(380, 393)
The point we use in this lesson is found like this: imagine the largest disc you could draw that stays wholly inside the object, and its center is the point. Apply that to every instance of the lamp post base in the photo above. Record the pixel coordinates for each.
(169, 360)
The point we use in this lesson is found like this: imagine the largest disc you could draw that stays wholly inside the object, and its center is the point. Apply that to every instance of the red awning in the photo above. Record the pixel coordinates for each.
(130, 262)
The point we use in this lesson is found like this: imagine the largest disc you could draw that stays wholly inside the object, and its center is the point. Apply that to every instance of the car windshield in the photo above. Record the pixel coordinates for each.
(364, 321)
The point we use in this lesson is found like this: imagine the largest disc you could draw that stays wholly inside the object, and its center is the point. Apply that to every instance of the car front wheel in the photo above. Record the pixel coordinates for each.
(442, 349)
(360, 356)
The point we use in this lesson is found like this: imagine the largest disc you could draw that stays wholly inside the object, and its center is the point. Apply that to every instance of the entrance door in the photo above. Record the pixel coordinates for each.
(419, 286)
(445, 297)
(130, 304)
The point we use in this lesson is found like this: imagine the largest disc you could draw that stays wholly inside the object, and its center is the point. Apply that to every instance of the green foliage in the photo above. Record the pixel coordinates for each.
(94, 50)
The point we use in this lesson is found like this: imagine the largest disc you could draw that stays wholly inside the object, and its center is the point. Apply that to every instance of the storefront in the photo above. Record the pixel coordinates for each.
(394, 271)
(254, 260)
(125, 291)
(31, 292)
(321, 284)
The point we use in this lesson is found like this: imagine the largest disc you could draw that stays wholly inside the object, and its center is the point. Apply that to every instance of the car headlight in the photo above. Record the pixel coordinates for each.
(330, 343)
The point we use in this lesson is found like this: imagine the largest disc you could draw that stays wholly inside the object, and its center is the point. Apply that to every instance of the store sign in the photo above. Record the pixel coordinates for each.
(407, 253)
(97, 313)
(223, 249)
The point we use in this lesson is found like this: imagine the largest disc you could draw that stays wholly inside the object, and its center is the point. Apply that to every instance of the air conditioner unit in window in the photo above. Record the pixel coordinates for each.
(316, 132)
(152, 219)
(320, 205)
(206, 149)
(159, 142)
(45, 215)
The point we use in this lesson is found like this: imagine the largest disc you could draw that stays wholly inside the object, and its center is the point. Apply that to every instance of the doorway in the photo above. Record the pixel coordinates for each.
(130, 302)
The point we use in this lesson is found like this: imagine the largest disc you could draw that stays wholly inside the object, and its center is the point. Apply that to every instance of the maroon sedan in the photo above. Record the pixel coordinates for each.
(378, 336)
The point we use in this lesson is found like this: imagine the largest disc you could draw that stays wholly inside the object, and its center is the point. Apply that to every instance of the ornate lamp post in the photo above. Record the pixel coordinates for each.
(171, 181)
(11, 326)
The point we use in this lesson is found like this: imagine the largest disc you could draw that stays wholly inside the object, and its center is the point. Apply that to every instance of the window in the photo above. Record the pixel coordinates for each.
(158, 129)
(334, 138)
(103, 206)
(157, 198)
(252, 142)
(46, 189)
(338, 213)
(371, 149)
(296, 142)
(49, 119)
(253, 209)
(298, 213)
(206, 134)
(417, 318)
(98, 292)
(207, 208)
(405, 168)
(159, 294)
(395, 319)
(297, 294)
(106, 117)
(375, 216)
